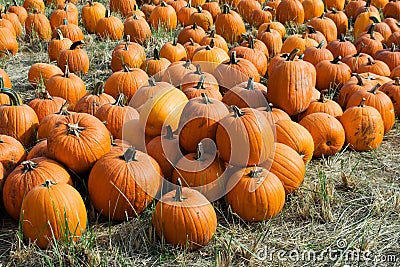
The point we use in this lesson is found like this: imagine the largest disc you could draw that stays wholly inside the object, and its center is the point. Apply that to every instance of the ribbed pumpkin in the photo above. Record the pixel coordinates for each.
(114, 115)
(375, 66)
(31, 5)
(202, 18)
(199, 120)
(13, 18)
(260, 16)
(377, 99)
(25, 177)
(213, 7)
(12, 153)
(324, 105)
(255, 194)
(20, 11)
(245, 137)
(165, 150)
(295, 136)
(356, 60)
(110, 27)
(49, 122)
(134, 133)
(156, 66)
(83, 136)
(202, 88)
(164, 108)
(59, 214)
(39, 150)
(299, 41)
(171, 218)
(272, 40)
(332, 74)
(126, 81)
(246, 95)
(229, 25)
(130, 54)
(38, 26)
(391, 56)
(392, 89)
(341, 47)
(369, 42)
(57, 17)
(176, 71)
(327, 132)
(295, 94)
(91, 13)
(91, 102)
(392, 10)
(272, 114)
(45, 104)
(67, 86)
(201, 171)
(290, 11)
(216, 39)
(17, 119)
(177, 4)
(138, 28)
(312, 9)
(57, 45)
(184, 13)
(164, 17)
(275, 25)
(316, 54)
(326, 26)
(191, 79)
(191, 32)
(76, 59)
(340, 19)
(122, 184)
(288, 166)
(173, 51)
(70, 31)
(147, 91)
(39, 73)
(209, 57)
(122, 6)
(363, 126)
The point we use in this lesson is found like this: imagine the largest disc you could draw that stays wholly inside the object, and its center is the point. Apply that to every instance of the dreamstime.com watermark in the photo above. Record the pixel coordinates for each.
(340, 253)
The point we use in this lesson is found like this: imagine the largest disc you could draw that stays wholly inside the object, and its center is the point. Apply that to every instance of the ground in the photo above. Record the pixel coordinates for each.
(347, 211)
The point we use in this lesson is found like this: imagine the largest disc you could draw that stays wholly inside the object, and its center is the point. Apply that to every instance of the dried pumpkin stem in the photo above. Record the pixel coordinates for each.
(255, 173)
(169, 135)
(29, 166)
(321, 44)
(200, 152)
(393, 48)
(212, 34)
(48, 183)
(198, 70)
(371, 31)
(66, 72)
(336, 60)
(77, 44)
(74, 129)
(90, 2)
(129, 155)
(226, 9)
(374, 19)
(342, 38)
(397, 81)
(98, 89)
(152, 82)
(205, 98)
(15, 100)
(178, 192)
(200, 84)
(194, 26)
(237, 112)
(233, 59)
(64, 109)
(362, 103)
(60, 36)
(311, 29)
(359, 79)
(156, 54)
(108, 13)
(375, 88)
(212, 43)
(187, 64)
(292, 54)
(121, 100)
(322, 98)
(250, 84)
(251, 42)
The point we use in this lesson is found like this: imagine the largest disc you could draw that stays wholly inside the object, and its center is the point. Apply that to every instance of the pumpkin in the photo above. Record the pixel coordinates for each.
(290, 11)
(147, 9)
(255, 194)
(191, 79)
(13, 18)
(375, 66)
(20, 11)
(126, 81)
(298, 41)
(75, 58)
(177, 4)
(246, 95)
(362, 18)
(84, 137)
(8, 42)
(273, 114)
(295, 94)
(91, 102)
(49, 122)
(18, 120)
(258, 44)
(40, 73)
(324, 105)
(332, 74)
(394, 38)
(132, 55)
(392, 89)
(156, 66)
(199, 120)
(295, 136)
(200, 88)
(138, 28)
(115, 114)
(12, 153)
(288, 166)
(338, 4)
(164, 108)
(193, 32)
(363, 126)
(163, 16)
(39, 150)
(315, 35)
(356, 60)
(31, 5)
(147, 91)
(133, 132)
(91, 13)
(67, 86)
(122, 6)
(316, 54)
(165, 150)
(272, 40)
(379, 100)
(176, 71)
(209, 57)
(202, 18)
(173, 51)
(341, 47)
(326, 131)
(275, 25)
(122, 184)
(5, 80)
(234, 71)
(70, 31)
(352, 86)
(351, 8)
(170, 218)
(57, 45)
(245, 137)
(246, 7)
(370, 42)
(184, 14)
(380, 27)
(229, 25)
(212, 7)
(340, 19)
(25, 177)
(190, 47)
(57, 17)
(312, 9)
(392, 10)
(45, 104)
(326, 26)
(260, 16)
(54, 218)
(391, 56)
(110, 27)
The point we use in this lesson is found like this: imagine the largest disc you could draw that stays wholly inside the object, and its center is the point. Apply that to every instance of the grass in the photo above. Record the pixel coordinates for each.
(348, 205)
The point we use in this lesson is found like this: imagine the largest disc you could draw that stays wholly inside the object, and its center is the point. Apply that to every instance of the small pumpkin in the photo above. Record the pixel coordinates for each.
(57, 17)
(163, 16)
(146, 91)
(173, 51)
(20, 11)
(156, 66)
(246, 95)
(332, 74)
(91, 13)
(202, 18)
(91, 102)
(57, 45)
(45, 104)
(40, 73)
(194, 32)
(229, 25)
(130, 54)
(316, 54)
(39, 150)
(341, 47)
(70, 31)
(138, 28)
(392, 89)
(76, 59)
(324, 105)
(12, 153)
(110, 27)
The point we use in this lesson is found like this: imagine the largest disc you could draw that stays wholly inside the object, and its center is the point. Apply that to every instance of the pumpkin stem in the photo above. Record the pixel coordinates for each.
(393, 48)
(334, 10)
(212, 43)
(108, 13)
(322, 98)
(226, 9)
(156, 54)
(64, 109)
(233, 59)
(65, 21)
(29, 166)
(342, 38)
(321, 44)
(199, 9)
(121, 100)
(397, 81)
(194, 26)
(129, 155)
(178, 192)
(66, 7)
(200, 84)
(48, 183)
(60, 36)
(191, 41)
(77, 44)
(237, 112)
(98, 89)
(292, 54)
(375, 88)
(198, 70)
(359, 79)
(250, 84)
(208, 48)
(322, 16)
(374, 19)
(15, 100)
(90, 2)
(368, 4)
(152, 82)
(174, 41)
(163, 4)
(269, 107)
(371, 31)
(74, 129)
(311, 29)
(187, 64)
(200, 152)
(336, 60)
(251, 42)
(268, 28)
(255, 173)
(362, 103)
(189, 4)
(206, 100)
(370, 61)
(1, 82)
(128, 39)
(126, 68)
(169, 135)
(66, 72)
(212, 34)
(44, 94)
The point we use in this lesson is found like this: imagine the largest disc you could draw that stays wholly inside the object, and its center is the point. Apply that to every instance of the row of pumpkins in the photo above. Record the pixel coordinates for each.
(162, 131)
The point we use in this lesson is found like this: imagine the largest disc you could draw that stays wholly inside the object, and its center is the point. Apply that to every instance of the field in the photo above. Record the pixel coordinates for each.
(346, 213)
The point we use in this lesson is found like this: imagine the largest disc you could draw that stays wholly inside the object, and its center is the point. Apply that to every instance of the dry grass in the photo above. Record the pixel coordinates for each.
(349, 201)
